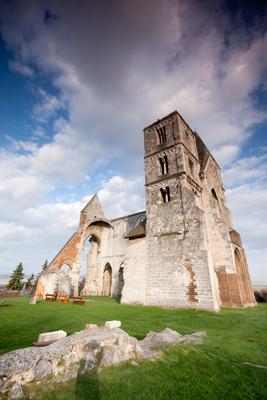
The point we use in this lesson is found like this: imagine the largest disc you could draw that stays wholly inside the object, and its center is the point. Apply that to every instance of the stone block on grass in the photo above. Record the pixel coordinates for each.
(51, 336)
(112, 324)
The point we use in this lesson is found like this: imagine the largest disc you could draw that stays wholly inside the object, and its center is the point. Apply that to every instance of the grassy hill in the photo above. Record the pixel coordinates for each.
(230, 364)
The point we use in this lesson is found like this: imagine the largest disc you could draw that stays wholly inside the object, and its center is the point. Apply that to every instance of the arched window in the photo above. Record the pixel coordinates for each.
(107, 280)
(165, 194)
(161, 135)
(164, 165)
(64, 268)
(191, 167)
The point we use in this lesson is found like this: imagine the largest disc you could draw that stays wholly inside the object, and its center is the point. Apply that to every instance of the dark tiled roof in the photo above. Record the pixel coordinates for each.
(203, 152)
(138, 231)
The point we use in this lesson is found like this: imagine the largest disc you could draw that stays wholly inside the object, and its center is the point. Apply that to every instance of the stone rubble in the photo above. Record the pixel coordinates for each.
(93, 348)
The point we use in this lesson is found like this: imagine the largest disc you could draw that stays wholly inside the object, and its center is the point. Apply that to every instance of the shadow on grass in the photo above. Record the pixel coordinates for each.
(87, 387)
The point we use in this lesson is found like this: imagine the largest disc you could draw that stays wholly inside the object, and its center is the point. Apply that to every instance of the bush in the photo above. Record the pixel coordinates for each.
(261, 295)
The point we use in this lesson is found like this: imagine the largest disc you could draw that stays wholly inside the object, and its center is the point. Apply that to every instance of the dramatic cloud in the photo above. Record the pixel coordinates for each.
(114, 67)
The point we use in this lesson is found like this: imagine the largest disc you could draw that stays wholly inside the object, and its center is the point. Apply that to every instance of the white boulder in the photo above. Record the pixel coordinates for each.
(51, 336)
(112, 324)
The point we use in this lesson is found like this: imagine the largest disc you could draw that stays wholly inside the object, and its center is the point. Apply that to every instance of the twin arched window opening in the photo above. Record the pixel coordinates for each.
(164, 165)
(162, 134)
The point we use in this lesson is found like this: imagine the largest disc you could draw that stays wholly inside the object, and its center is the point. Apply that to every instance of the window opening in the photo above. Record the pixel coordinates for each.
(164, 165)
(191, 166)
(165, 193)
(216, 203)
(162, 134)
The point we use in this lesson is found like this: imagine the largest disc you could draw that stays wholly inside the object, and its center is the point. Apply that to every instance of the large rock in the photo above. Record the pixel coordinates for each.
(166, 337)
(51, 336)
(125, 348)
(93, 348)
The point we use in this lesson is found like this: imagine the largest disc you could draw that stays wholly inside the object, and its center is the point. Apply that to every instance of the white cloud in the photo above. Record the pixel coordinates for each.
(247, 203)
(245, 169)
(257, 265)
(121, 196)
(47, 107)
(113, 79)
(20, 68)
(39, 133)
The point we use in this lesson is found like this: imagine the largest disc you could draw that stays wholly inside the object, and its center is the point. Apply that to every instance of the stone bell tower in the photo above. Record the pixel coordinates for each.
(179, 268)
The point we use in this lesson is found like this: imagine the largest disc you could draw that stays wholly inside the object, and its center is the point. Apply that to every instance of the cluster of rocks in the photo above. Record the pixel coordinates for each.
(93, 348)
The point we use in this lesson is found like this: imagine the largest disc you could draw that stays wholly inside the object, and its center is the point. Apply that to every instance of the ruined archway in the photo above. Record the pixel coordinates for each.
(90, 286)
(107, 280)
(61, 280)
(64, 268)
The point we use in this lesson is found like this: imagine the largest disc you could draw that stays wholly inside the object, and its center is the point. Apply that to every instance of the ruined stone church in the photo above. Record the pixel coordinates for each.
(182, 251)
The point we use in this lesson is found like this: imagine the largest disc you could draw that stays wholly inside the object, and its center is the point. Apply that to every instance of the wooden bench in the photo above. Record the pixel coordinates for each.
(78, 300)
(50, 297)
(62, 298)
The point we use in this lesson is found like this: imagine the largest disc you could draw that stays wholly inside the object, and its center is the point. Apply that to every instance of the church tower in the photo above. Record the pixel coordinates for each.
(179, 269)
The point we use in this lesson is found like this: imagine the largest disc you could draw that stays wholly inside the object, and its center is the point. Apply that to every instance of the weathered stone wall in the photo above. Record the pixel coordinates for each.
(234, 287)
(178, 273)
(134, 290)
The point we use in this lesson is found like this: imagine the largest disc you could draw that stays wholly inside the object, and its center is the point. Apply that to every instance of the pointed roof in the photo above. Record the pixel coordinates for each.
(92, 210)
(94, 200)
(203, 152)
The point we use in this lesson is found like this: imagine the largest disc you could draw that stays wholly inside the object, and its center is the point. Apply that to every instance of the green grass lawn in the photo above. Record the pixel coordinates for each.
(212, 370)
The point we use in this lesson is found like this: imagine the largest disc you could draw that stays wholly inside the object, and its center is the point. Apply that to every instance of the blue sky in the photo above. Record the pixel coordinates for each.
(79, 81)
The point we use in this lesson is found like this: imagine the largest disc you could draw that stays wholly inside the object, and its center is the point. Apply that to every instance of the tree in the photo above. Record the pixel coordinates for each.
(35, 282)
(44, 266)
(30, 282)
(43, 269)
(16, 278)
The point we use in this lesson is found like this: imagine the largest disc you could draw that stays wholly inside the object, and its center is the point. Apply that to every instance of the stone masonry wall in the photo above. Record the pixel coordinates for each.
(178, 273)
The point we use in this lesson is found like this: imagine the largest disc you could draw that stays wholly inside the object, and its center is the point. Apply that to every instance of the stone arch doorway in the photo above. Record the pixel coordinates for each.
(91, 250)
(120, 280)
(107, 280)
(63, 284)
